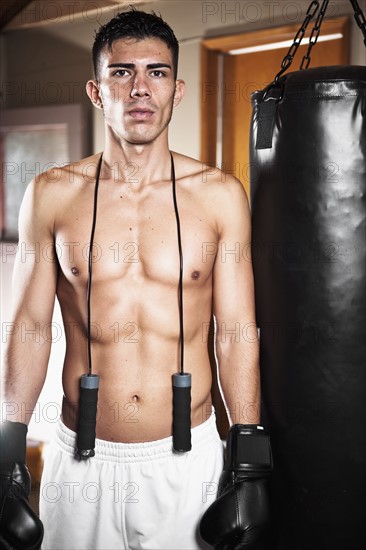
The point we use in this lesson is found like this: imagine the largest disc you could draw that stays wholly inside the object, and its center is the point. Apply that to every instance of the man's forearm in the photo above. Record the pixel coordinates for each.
(239, 379)
(23, 375)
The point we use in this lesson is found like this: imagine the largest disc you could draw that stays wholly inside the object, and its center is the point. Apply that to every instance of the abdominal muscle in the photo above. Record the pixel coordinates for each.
(135, 361)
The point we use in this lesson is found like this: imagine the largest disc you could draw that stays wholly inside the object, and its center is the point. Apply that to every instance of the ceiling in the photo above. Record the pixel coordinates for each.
(22, 14)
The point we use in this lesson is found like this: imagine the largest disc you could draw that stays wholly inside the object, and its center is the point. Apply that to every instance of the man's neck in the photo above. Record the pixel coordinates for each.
(137, 164)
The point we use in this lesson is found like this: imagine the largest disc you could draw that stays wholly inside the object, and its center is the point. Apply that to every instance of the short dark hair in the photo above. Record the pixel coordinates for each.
(135, 24)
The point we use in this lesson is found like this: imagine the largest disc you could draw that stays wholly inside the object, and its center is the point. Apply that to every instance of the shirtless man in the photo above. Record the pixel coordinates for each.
(136, 492)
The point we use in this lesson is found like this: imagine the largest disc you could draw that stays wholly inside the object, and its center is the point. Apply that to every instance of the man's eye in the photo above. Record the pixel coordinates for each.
(121, 72)
(158, 73)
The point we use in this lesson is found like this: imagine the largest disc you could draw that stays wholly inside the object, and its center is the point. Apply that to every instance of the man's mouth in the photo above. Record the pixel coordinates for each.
(141, 113)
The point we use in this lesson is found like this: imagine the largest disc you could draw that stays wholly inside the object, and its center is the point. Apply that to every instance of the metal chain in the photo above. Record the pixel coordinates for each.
(315, 31)
(360, 18)
(287, 60)
(311, 11)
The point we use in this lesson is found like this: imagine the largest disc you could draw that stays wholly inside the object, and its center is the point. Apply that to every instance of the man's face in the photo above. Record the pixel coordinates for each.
(137, 89)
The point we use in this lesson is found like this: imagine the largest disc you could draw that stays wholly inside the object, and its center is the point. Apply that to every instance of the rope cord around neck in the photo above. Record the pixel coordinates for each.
(181, 322)
(90, 265)
(90, 260)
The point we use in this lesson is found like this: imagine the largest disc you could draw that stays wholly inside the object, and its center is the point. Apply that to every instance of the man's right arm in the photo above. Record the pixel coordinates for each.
(34, 287)
(25, 365)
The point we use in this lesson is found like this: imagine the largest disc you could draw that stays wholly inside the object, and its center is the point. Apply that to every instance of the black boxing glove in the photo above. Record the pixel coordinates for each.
(239, 519)
(20, 527)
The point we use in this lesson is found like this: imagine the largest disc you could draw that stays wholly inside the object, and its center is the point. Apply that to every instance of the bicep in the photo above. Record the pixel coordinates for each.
(35, 268)
(233, 286)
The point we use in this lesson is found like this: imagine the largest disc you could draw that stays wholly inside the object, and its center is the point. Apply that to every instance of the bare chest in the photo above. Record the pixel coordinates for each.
(135, 238)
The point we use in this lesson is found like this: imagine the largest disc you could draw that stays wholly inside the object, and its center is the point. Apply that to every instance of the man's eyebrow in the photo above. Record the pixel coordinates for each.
(132, 65)
(158, 65)
(124, 65)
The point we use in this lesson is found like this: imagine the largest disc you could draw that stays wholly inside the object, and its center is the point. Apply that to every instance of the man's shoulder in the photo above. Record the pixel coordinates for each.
(52, 190)
(221, 194)
(209, 174)
(78, 172)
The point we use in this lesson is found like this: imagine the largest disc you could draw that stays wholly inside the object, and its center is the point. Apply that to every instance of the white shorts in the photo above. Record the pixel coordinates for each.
(129, 495)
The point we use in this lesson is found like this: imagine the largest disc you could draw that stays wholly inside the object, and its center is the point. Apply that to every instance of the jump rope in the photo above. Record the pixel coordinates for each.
(89, 383)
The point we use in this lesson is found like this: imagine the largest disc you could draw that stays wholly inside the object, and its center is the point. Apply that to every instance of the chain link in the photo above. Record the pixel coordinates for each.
(316, 30)
(287, 60)
(360, 18)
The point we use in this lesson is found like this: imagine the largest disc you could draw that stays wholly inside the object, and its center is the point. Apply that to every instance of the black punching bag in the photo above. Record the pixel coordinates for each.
(308, 180)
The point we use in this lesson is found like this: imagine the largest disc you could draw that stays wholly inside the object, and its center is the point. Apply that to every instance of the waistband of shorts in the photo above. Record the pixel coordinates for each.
(201, 436)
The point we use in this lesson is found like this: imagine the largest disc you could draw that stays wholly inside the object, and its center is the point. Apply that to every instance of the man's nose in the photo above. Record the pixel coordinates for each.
(140, 87)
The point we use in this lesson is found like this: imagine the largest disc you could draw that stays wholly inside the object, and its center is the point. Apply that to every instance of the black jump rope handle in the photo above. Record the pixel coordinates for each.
(182, 412)
(88, 403)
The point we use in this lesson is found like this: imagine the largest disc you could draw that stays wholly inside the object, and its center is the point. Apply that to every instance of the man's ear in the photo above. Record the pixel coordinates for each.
(92, 89)
(180, 88)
